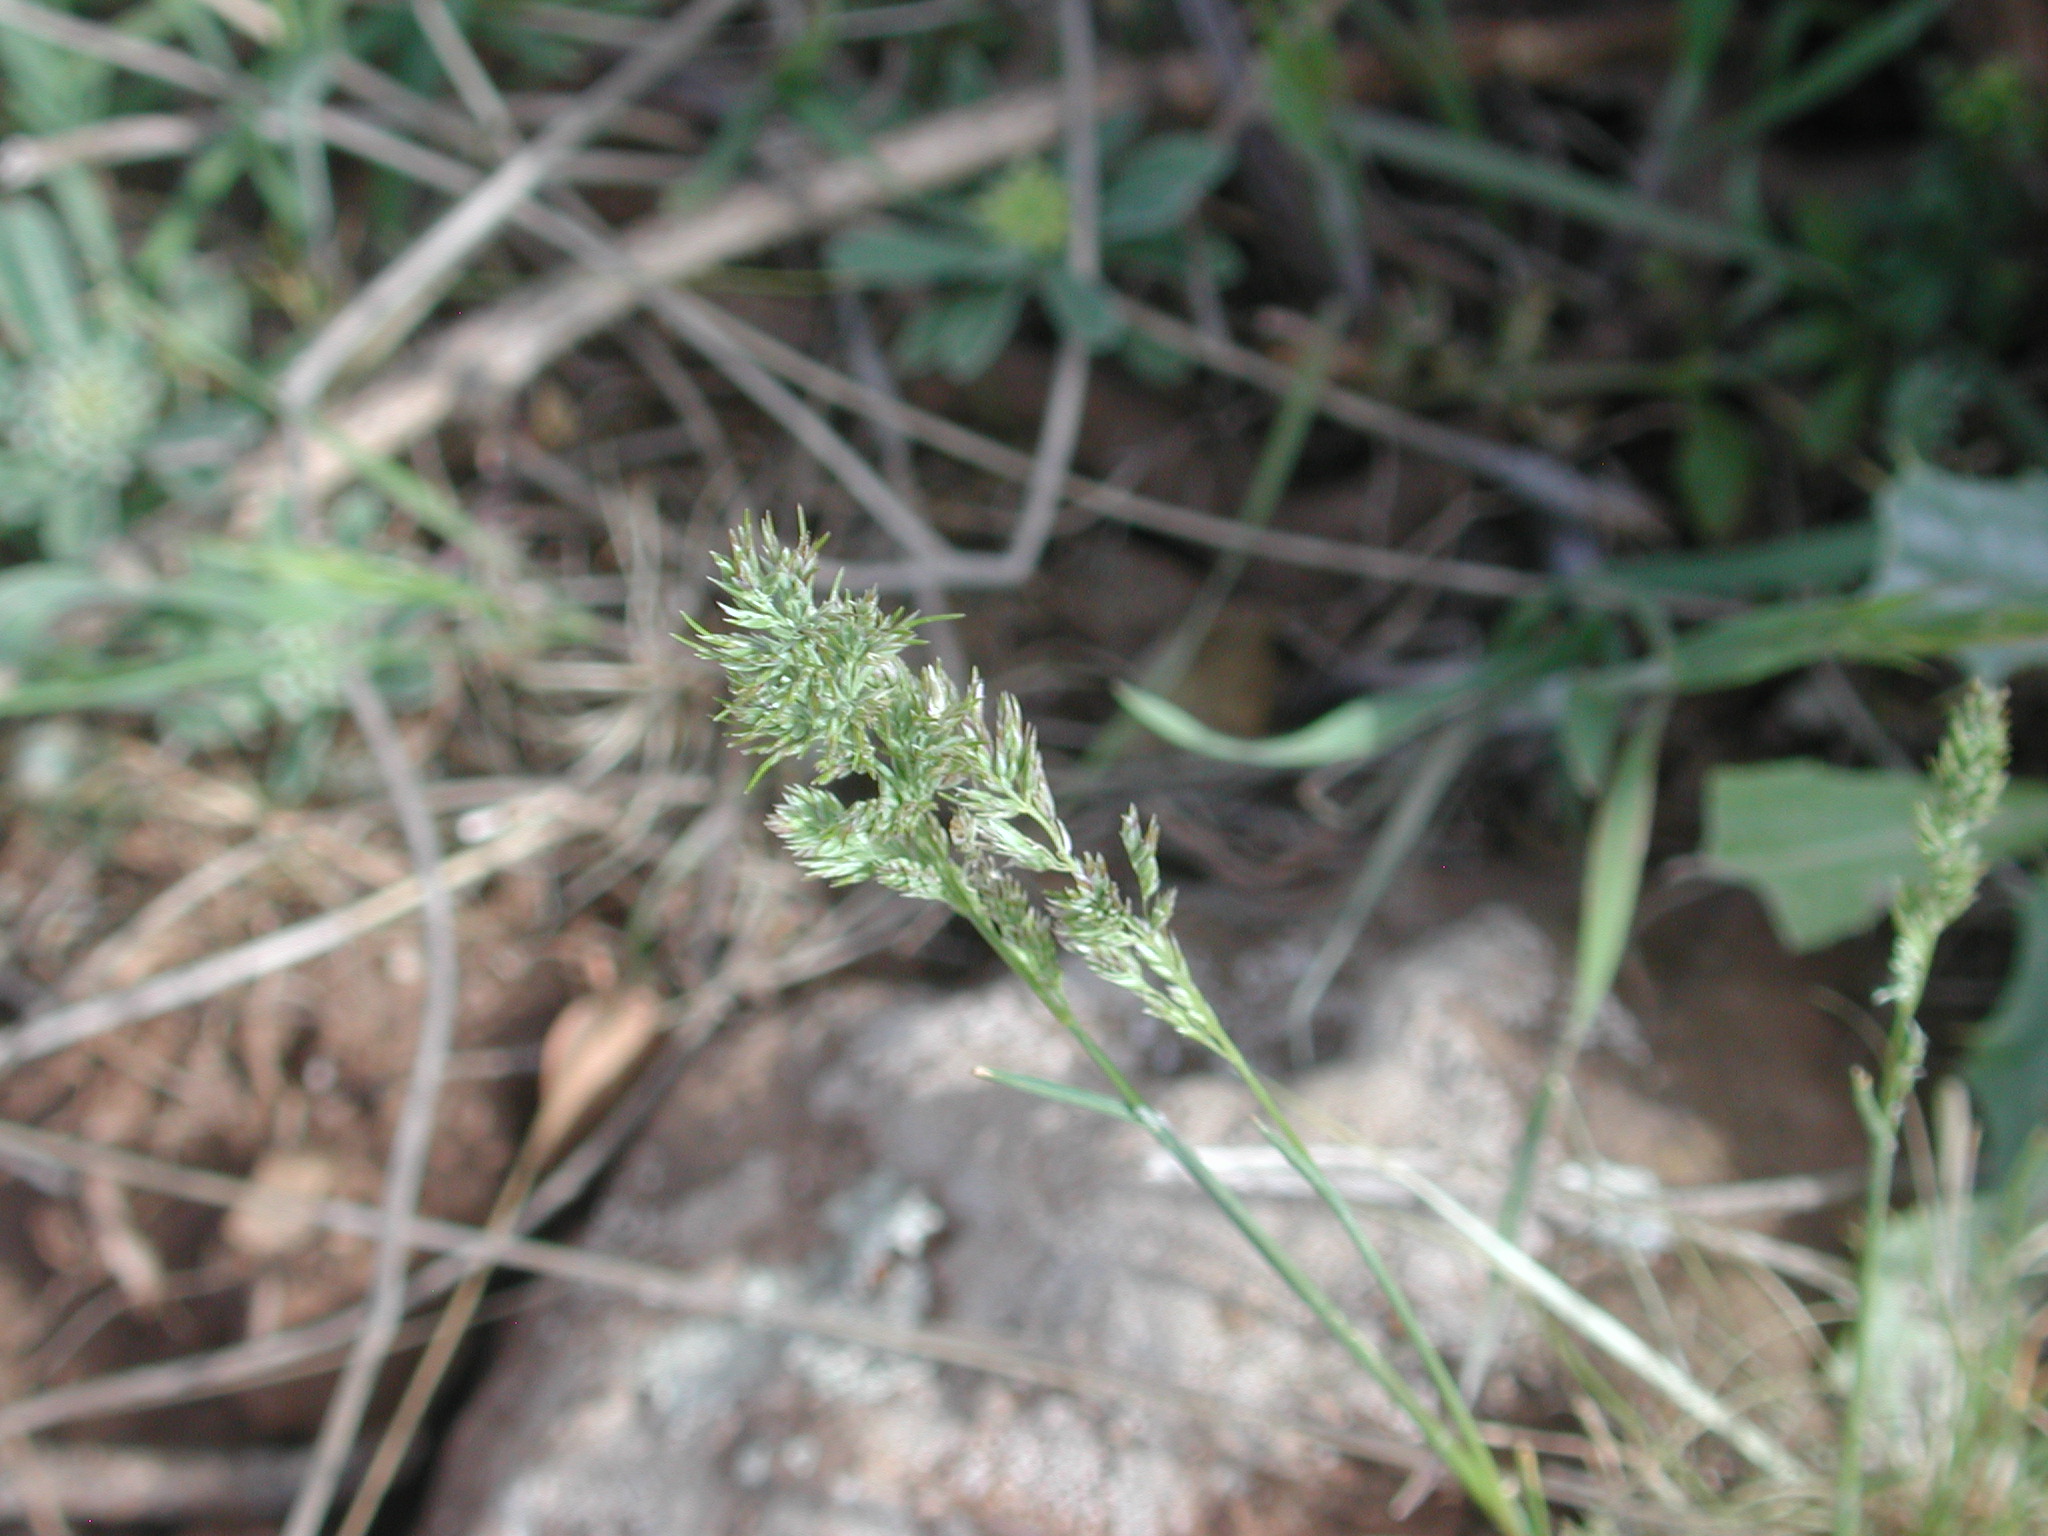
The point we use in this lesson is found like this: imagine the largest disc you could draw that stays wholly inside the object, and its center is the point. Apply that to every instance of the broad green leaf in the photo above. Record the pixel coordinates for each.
(1717, 466)
(2007, 1061)
(1161, 183)
(961, 336)
(1827, 848)
(1836, 414)
(897, 256)
(1161, 367)
(1086, 311)
(1805, 341)
(1966, 543)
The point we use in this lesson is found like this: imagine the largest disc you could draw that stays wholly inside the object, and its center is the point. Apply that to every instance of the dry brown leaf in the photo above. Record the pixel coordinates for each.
(263, 1230)
(130, 1257)
(590, 1049)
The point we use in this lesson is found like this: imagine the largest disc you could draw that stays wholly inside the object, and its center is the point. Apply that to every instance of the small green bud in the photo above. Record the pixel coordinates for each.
(1026, 209)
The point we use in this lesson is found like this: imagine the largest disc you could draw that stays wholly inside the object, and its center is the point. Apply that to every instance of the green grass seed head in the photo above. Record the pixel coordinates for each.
(86, 411)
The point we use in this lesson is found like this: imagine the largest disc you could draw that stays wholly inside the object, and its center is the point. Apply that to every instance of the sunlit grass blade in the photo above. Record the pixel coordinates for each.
(1598, 1326)
(1270, 478)
(1612, 881)
(1404, 828)
(1060, 1093)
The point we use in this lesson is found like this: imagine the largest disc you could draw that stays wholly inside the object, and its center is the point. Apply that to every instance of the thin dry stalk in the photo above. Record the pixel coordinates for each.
(401, 293)
(851, 933)
(37, 1496)
(123, 51)
(1059, 430)
(473, 84)
(502, 348)
(547, 820)
(135, 1486)
(406, 1166)
(26, 158)
(1534, 477)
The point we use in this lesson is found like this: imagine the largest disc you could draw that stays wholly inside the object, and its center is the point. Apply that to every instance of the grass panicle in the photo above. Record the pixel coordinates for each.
(961, 812)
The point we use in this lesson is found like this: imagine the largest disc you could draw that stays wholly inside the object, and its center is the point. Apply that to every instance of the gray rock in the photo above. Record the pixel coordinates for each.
(1001, 1212)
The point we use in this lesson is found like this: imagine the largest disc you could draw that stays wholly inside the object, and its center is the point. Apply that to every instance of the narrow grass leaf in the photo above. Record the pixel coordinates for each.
(429, 506)
(1061, 1093)
(1598, 1326)
(39, 300)
(1863, 49)
(1358, 731)
(898, 256)
(1497, 171)
(1825, 557)
(1614, 869)
(1889, 630)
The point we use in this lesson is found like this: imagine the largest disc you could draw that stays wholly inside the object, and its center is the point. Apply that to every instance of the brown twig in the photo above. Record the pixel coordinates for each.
(502, 348)
(549, 821)
(404, 288)
(287, 1355)
(137, 1486)
(1115, 502)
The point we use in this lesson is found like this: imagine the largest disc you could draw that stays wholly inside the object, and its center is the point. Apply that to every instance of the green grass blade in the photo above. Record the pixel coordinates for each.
(1598, 1326)
(1614, 869)
(1612, 881)
(1826, 557)
(1270, 479)
(406, 489)
(1396, 839)
(1865, 48)
(1497, 171)
(1060, 1093)
(1477, 1460)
